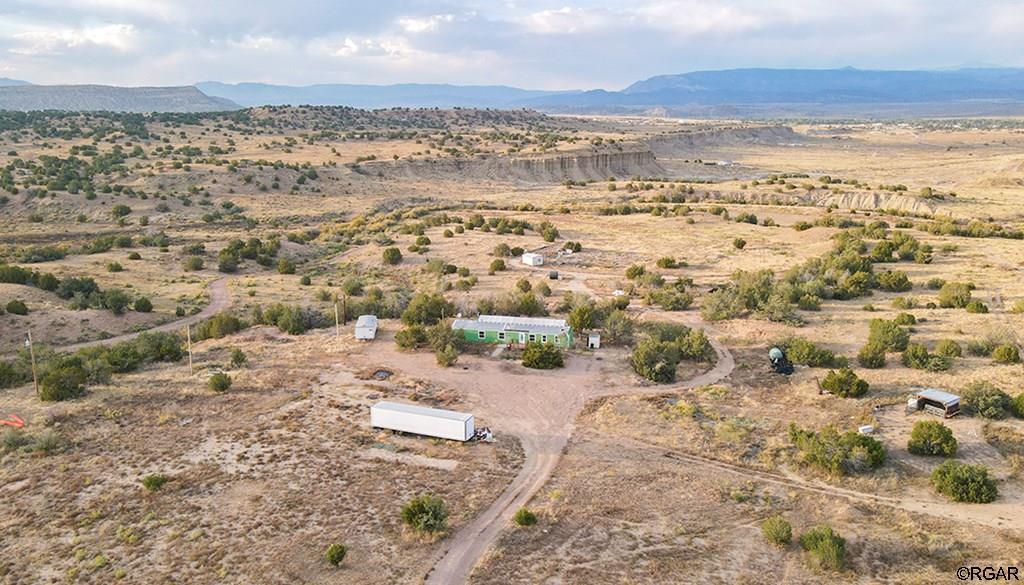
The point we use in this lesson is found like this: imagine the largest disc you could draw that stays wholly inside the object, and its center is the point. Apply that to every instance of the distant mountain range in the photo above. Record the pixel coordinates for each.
(405, 95)
(90, 98)
(741, 92)
(727, 93)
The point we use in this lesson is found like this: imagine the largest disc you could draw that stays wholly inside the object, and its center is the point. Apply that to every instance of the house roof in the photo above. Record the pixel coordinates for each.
(413, 409)
(939, 396)
(504, 323)
(366, 321)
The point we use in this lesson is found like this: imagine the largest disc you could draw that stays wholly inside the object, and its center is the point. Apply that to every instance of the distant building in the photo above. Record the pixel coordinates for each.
(594, 341)
(531, 259)
(366, 327)
(514, 330)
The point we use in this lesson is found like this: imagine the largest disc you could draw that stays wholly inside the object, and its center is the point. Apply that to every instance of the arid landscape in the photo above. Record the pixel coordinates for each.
(191, 282)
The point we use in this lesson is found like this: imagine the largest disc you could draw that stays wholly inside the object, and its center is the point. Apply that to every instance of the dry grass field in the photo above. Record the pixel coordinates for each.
(289, 211)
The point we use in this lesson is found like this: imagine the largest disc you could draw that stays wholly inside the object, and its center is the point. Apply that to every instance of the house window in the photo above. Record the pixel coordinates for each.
(533, 337)
(501, 336)
(481, 334)
(544, 338)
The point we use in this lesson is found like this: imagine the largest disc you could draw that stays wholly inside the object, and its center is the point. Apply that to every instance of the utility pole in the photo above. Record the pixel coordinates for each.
(344, 308)
(32, 355)
(337, 327)
(188, 337)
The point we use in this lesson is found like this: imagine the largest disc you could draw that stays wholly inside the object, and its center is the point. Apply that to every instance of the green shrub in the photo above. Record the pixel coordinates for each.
(135, 256)
(64, 379)
(219, 325)
(412, 337)
(930, 437)
(962, 482)
(1006, 354)
(142, 305)
(219, 382)
(777, 531)
(542, 356)
(935, 283)
(1017, 405)
(114, 267)
(425, 514)
(916, 356)
(949, 348)
(305, 280)
(193, 263)
(844, 383)
(656, 360)
(888, 334)
(827, 549)
(447, 356)
(954, 295)
(285, 266)
(837, 453)
(392, 256)
(801, 351)
(976, 306)
(524, 517)
(159, 346)
(893, 281)
(154, 481)
(17, 307)
(739, 243)
(905, 319)
(872, 355)
(335, 554)
(667, 262)
(427, 309)
(985, 400)
(238, 358)
(497, 265)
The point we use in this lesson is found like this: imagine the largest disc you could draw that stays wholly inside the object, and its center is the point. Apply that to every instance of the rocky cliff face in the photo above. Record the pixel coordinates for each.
(555, 168)
(588, 166)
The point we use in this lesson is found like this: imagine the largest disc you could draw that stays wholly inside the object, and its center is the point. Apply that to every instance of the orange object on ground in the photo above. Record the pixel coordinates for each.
(13, 421)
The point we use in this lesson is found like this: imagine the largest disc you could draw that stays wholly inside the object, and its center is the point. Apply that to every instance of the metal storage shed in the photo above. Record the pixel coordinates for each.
(531, 259)
(366, 327)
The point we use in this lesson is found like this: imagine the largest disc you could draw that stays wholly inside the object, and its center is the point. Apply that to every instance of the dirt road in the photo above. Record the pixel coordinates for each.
(554, 418)
(220, 299)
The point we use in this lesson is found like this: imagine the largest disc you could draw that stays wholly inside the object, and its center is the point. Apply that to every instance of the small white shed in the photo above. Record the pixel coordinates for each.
(594, 341)
(366, 327)
(532, 259)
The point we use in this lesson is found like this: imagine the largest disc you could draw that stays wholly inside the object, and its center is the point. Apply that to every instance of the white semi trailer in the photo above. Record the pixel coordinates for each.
(431, 422)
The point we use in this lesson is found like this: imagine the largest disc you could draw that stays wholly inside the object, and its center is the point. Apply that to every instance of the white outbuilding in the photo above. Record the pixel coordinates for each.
(366, 327)
(532, 259)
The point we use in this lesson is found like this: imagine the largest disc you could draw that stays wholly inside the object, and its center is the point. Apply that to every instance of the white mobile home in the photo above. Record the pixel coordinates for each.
(366, 327)
(430, 422)
(531, 259)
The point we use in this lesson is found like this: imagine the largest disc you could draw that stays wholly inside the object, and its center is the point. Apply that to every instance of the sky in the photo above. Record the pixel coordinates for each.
(533, 44)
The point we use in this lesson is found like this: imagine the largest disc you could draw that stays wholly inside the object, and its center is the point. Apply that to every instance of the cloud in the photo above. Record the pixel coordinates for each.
(554, 44)
(119, 37)
(426, 24)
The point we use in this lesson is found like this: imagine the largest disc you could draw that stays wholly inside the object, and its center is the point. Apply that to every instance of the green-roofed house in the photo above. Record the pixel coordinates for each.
(514, 330)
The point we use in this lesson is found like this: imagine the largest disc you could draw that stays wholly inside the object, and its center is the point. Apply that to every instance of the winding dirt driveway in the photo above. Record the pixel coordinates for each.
(542, 418)
(220, 299)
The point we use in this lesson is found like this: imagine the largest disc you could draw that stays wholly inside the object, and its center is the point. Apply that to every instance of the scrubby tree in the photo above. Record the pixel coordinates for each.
(954, 295)
(427, 309)
(777, 531)
(64, 379)
(335, 554)
(826, 549)
(844, 383)
(962, 482)
(426, 514)
(219, 382)
(142, 305)
(872, 355)
(985, 400)
(930, 437)
(542, 356)
(392, 256)
(1006, 354)
(524, 517)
